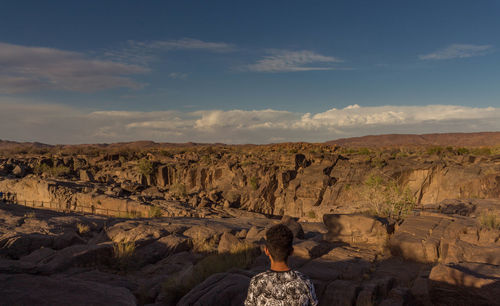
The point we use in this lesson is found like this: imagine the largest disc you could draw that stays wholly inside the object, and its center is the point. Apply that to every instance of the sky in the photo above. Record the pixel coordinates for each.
(246, 71)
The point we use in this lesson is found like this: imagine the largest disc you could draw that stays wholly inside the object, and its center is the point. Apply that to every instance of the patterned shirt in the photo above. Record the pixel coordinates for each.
(289, 288)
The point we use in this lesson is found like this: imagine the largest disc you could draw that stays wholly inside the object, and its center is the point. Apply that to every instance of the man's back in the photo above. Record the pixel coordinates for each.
(289, 288)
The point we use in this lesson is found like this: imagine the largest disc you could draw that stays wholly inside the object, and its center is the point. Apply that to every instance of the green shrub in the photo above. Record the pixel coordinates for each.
(155, 212)
(145, 167)
(55, 171)
(311, 214)
(247, 163)
(387, 198)
(461, 151)
(436, 150)
(254, 182)
(178, 190)
(364, 151)
(489, 221)
(481, 151)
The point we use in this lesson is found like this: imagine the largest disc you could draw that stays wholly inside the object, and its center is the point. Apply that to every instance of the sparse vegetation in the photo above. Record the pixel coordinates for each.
(30, 215)
(145, 167)
(254, 182)
(123, 253)
(387, 198)
(489, 221)
(56, 171)
(155, 212)
(239, 257)
(82, 228)
(178, 190)
(311, 214)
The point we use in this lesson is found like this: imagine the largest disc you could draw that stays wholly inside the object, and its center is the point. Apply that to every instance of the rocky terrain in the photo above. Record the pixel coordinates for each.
(437, 256)
(146, 223)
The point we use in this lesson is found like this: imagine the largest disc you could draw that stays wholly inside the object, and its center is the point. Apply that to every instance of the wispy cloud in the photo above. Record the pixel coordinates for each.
(458, 51)
(178, 75)
(36, 68)
(22, 120)
(184, 44)
(289, 61)
(145, 52)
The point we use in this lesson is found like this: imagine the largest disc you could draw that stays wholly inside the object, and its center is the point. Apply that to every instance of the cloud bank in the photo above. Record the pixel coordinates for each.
(458, 51)
(24, 69)
(25, 121)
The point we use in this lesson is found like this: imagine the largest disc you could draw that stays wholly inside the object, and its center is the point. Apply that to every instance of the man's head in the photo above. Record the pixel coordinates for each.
(279, 241)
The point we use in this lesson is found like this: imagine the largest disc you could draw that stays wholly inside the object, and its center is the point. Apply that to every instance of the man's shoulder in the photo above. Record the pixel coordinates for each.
(262, 275)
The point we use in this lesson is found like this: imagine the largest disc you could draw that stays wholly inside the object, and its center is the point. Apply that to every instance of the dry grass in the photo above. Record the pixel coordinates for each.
(489, 221)
(30, 215)
(239, 257)
(123, 253)
(82, 228)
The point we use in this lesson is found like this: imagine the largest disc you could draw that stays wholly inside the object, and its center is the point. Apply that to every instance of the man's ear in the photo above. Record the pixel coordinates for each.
(266, 251)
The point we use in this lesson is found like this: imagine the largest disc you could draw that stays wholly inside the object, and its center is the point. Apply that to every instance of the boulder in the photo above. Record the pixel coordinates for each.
(310, 249)
(19, 171)
(255, 234)
(294, 226)
(472, 283)
(340, 293)
(161, 248)
(77, 256)
(86, 176)
(24, 289)
(229, 244)
(222, 289)
(23, 244)
(355, 229)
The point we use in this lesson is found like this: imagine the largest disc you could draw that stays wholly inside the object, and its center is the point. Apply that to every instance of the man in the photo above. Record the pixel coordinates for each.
(280, 285)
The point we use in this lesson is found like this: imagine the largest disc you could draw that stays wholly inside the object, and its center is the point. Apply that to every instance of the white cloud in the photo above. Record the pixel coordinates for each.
(458, 51)
(25, 69)
(289, 61)
(28, 121)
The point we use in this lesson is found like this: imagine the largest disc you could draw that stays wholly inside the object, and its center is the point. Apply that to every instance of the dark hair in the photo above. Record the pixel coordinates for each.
(279, 241)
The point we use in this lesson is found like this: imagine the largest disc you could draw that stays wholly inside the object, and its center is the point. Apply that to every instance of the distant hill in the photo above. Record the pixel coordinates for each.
(388, 140)
(444, 139)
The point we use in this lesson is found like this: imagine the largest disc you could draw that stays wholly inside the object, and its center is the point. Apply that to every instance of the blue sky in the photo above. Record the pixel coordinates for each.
(246, 71)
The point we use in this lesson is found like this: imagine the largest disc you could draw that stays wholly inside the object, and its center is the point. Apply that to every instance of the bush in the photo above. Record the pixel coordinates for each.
(254, 182)
(55, 171)
(178, 190)
(387, 198)
(123, 252)
(155, 212)
(311, 214)
(145, 167)
(435, 150)
(489, 221)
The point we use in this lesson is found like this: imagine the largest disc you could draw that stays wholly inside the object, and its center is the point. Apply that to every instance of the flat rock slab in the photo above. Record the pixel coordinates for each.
(222, 289)
(24, 289)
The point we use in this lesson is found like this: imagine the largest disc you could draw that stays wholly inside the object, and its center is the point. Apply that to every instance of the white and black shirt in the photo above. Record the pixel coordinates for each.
(288, 288)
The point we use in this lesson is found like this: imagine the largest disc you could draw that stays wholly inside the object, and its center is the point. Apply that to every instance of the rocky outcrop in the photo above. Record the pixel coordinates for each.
(183, 261)
(315, 180)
